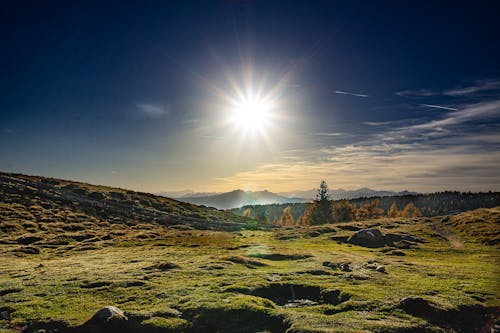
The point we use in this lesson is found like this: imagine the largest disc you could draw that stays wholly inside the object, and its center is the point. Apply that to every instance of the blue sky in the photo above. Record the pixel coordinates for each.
(140, 95)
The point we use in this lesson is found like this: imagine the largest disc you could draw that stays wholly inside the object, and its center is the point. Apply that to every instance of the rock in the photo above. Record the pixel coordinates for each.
(107, 314)
(380, 268)
(330, 264)
(344, 267)
(371, 237)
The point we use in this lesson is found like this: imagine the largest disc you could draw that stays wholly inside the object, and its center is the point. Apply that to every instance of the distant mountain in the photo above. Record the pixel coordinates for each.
(186, 193)
(337, 194)
(239, 198)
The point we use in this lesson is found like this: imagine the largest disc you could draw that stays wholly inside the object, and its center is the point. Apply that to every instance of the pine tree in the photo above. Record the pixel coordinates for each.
(322, 211)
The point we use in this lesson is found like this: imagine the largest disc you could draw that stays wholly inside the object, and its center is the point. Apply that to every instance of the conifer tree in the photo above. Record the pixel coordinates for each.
(322, 211)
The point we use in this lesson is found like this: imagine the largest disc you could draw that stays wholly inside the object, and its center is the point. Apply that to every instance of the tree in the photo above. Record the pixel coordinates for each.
(305, 219)
(286, 218)
(410, 211)
(343, 211)
(393, 211)
(322, 211)
(369, 211)
(247, 212)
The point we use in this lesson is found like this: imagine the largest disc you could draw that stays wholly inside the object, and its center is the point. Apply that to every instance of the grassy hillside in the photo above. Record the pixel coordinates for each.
(38, 204)
(435, 274)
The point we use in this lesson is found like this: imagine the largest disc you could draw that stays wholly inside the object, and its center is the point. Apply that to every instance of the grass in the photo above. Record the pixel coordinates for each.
(173, 280)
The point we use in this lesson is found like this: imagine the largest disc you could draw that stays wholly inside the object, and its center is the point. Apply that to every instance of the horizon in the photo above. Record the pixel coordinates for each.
(217, 96)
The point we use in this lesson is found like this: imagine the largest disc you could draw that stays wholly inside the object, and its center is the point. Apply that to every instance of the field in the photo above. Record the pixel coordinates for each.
(61, 264)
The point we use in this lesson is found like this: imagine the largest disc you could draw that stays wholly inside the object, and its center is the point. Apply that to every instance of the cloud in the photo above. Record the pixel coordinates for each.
(459, 151)
(9, 130)
(470, 112)
(350, 94)
(479, 86)
(416, 93)
(329, 134)
(152, 110)
(394, 167)
(439, 107)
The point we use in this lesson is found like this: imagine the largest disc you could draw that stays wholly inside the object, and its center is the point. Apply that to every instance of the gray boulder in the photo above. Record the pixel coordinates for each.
(371, 237)
(109, 319)
(108, 313)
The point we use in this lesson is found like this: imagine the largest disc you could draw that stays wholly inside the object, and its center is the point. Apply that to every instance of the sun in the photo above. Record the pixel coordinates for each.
(251, 114)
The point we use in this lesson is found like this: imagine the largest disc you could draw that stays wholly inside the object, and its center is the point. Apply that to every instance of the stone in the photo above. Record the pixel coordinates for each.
(108, 313)
(371, 237)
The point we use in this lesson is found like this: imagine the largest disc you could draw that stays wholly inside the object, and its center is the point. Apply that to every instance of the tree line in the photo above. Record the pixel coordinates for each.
(325, 210)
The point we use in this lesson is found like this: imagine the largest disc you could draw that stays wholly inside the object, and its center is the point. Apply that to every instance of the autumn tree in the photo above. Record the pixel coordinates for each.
(410, 211)
(393, 211)
(343, 211)
(276, 221)
(322, 211)
(368, 211)
(305, 219)
(247, 212)
(286, 218)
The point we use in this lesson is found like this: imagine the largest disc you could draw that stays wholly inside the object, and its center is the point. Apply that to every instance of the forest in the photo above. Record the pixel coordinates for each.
(324, 210)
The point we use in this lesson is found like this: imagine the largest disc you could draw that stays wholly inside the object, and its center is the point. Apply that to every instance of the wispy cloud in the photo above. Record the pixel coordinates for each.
(328, 134)
(9, 130)
(420, 154)
(416, 93)
(471, 112)
(434, 106)
(152, 110)
(350, 94)
(479, 86)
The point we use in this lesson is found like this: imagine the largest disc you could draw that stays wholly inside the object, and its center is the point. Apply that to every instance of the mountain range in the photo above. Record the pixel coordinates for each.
(239, 198)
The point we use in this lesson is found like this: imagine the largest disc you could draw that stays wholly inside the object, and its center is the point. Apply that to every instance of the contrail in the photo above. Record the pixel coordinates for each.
(349, 93)
(440, 107)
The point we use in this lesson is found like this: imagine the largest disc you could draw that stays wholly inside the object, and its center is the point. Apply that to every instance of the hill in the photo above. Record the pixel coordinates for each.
(29, 202)
(432, 275)
(239, 198)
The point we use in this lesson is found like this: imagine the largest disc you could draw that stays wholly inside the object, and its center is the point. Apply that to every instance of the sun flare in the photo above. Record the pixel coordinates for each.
(251, 114)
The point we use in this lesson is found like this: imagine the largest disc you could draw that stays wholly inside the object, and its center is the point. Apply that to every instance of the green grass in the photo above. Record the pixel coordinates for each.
(175, 280)
(204, 286)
